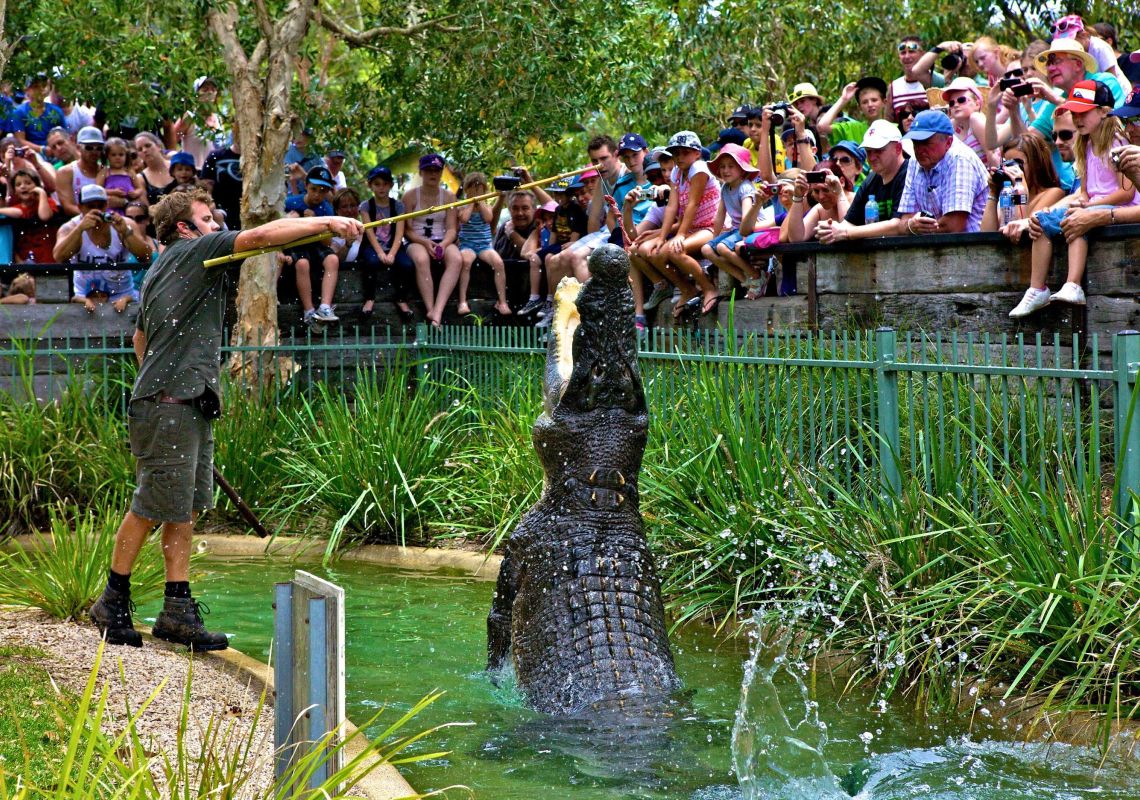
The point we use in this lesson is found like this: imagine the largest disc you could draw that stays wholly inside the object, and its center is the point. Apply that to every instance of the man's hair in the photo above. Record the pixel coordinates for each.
(911, 37)
(600, 141)
(527, 193)
(174, 208)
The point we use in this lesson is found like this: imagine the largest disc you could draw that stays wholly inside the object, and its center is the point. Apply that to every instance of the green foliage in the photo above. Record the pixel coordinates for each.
(72, 450)
(95, 765)
(29, 727)
(64, 573)
(361, 461)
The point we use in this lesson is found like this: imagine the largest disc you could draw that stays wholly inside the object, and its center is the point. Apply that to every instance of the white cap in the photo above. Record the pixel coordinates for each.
(202, 80)
(880, 134)
(91, 193)
(89, 134)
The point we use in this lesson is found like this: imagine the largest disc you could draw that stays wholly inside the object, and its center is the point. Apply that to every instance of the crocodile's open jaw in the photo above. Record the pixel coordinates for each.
(566, 321)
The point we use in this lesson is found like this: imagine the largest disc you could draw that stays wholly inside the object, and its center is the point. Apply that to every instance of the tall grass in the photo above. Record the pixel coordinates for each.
(64, 573)
(360, 464)
(96, 765)
(70, 450)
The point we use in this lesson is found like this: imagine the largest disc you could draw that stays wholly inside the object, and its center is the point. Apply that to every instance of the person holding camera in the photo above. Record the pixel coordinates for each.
(831, 191)
(946, 183)
(796, 143)
(24, 159)
(1027, 165)
(95, 237)
(869, 93)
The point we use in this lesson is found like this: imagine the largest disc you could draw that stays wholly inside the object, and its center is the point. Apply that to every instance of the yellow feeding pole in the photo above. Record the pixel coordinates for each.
(244, 254)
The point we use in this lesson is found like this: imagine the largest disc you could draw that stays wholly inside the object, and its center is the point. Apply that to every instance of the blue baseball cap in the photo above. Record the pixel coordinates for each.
(320, 176)
(927, 123)
(1131, 107)
(730, 136)
(431, 161)
(852, 148)
(380, 172)
(651, 164)
(575, 183)
(632, 141)
(185, 159)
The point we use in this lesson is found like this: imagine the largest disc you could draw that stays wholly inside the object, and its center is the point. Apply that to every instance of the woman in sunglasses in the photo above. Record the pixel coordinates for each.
(964, 100)
(904, 116)
(1027, 163)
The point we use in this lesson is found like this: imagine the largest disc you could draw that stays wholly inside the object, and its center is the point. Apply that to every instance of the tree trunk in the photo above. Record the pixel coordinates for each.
(261, 84)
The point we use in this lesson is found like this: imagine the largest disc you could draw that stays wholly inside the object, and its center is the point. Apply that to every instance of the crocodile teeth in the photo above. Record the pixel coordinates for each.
(620, 499)
(593, 477)
(593, 497)
(621, 479)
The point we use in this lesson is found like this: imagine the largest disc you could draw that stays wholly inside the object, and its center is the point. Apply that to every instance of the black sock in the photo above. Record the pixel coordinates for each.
(179, 589)
(119, 583)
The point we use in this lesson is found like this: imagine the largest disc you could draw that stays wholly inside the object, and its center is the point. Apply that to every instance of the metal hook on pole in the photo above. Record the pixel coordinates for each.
(244, 254)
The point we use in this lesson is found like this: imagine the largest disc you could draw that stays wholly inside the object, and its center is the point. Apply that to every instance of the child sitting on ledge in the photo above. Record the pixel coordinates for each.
(1101, 187)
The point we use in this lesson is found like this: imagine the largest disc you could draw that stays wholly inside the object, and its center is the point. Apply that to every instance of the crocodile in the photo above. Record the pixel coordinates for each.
(577, 608)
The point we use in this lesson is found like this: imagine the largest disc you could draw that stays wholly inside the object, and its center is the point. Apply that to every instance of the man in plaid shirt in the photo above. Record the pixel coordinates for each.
(946, 183)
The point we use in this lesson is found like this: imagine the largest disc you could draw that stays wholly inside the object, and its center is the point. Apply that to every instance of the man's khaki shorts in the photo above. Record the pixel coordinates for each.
(174, 446)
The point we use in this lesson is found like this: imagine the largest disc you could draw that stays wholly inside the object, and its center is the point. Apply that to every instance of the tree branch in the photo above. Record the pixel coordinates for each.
(263, 22)
(223, 24)
(370, 36)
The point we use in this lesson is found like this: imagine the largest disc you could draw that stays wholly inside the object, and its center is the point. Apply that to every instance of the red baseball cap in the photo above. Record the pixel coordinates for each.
(1086, 96)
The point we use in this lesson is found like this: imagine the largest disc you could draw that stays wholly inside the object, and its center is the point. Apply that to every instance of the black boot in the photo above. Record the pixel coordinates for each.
(112, 616)
(180, 622)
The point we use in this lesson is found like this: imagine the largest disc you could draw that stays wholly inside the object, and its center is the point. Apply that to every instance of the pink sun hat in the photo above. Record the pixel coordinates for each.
(737, 153)
(549, 207)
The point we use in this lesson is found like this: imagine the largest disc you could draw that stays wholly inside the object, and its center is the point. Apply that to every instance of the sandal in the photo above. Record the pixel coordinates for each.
(707, 309)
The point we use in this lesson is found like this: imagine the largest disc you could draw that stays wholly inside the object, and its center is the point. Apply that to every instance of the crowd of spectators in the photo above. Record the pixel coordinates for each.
(1036, 142)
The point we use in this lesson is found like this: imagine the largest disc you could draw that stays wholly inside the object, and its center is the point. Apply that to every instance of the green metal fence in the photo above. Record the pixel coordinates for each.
(938, 409)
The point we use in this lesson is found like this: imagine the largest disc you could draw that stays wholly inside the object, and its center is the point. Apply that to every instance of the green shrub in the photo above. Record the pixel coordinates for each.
(362, 463)
(67, 569)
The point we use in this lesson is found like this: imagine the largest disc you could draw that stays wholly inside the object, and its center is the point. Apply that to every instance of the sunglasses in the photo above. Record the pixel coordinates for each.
(843, 159)
(959, 100)
(1063, 136)
(91, 148)
(136, 217)
(909, 47)
(1053, 59)
(1064, 26)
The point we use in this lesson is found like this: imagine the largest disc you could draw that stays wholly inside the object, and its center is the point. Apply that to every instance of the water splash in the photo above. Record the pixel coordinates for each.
(778, 738)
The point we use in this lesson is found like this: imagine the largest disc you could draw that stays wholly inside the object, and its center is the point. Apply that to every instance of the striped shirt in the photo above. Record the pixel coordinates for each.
(904, 91)
(959, 182)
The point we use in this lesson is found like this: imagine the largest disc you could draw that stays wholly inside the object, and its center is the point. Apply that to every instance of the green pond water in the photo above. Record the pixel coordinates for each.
(411, 633)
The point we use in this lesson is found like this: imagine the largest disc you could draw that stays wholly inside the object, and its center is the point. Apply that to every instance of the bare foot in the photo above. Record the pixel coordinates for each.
(121, 304)
(463, 310)
(367, 307)
(503, 309)
(89, 305)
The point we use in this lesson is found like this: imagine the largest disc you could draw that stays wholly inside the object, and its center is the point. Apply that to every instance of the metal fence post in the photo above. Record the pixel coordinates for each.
(422, 371)
(887, 390)
(1126, 429)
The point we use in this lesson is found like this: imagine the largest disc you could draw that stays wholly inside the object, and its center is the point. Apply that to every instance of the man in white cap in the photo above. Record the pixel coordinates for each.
(200, 130)
(888, 163)
(84, 171)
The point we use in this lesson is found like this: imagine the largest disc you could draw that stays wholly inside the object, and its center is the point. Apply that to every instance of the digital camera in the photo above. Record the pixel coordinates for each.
(779, 113)
(658, 194)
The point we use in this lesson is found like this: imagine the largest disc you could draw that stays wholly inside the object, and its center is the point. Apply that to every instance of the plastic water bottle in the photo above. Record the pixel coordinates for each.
(1005, 204)
(871, 211)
